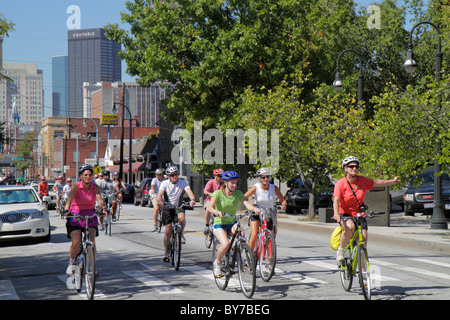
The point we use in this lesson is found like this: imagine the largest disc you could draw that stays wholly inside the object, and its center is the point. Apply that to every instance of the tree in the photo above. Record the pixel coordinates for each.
(25, 150)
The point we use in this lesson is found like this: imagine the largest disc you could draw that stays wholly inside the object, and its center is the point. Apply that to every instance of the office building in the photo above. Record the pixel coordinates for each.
(92, 58)
(60, 86)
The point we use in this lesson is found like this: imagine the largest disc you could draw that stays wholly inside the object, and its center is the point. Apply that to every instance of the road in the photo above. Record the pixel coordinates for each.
(131, 268)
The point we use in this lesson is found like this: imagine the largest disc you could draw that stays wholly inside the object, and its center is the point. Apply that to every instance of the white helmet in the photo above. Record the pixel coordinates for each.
(349, 159)
(172, 169)
(263, 171)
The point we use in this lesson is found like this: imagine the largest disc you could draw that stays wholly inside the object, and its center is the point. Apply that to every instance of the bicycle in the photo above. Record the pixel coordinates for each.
(240, 251)
(85, 260)
(62, 205)
(175, 238)
(159, 223)
(356, 259)
(209, 233)
(107, 221)
(266, 247)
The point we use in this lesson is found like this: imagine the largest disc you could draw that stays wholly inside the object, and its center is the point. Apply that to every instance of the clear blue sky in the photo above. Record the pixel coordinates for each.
(41, 31)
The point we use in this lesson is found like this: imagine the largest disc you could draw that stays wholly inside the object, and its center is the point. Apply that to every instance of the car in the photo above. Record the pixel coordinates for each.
(142, 192)
(23, 214)
(397, 196)
(52, 195)
(128, 193)
(298, 197)
(419, 196)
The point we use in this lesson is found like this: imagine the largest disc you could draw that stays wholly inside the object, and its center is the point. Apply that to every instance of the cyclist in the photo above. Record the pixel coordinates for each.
(43, 189)
(106, 188)
(226, 200)
(66, 189)
(173, 188)
(211, 186)
(154, 189)
(348, 200)
(81, 200)
(58, 189)
(265, 195)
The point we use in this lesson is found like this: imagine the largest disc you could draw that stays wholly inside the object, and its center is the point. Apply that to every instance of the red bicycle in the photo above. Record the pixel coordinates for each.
(266, 248)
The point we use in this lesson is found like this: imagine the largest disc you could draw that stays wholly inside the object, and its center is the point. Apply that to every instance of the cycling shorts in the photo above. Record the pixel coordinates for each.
(345, 217)
(168, 215)
(225, 227)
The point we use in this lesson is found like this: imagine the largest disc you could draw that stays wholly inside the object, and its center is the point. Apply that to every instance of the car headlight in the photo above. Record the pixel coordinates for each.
(37, 215)
(409, 197)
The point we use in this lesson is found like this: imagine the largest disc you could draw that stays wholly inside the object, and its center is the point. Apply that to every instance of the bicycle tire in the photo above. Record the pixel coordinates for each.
(208, 238)
(89, 272)
(221, 282)
(79, 278)
(118, 210)
(364, 272)
(267, 257)
(177, 249)
(246, 270)
(345, 270)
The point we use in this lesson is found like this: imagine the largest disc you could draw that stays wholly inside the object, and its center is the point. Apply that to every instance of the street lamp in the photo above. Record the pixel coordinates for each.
(96, 137)
(438, 220)
(337, 84)
(130, 165)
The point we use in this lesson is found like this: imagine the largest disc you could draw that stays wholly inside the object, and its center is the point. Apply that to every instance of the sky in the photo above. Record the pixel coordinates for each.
(41, 31)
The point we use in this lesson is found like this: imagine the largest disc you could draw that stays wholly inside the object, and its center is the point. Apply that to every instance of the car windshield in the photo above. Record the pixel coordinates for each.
(17, 196)
(427, 178)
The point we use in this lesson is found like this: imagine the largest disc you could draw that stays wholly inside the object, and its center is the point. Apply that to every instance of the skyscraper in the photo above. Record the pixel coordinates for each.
(60, 86)
(91, 58)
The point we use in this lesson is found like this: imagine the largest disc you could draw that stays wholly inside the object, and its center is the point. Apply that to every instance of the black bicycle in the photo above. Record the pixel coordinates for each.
(175, 238)
(240, 252)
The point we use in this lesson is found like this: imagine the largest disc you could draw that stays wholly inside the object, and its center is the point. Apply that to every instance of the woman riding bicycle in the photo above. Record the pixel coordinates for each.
(211, 186)
(348, 200)
(81, 200)
(265, 195)
(226, 200)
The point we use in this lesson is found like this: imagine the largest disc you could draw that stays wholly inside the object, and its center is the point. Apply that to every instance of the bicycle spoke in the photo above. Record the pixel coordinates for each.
(89, 271)
(364, 274)
(267, 257)
(246, 270)
(345, 270)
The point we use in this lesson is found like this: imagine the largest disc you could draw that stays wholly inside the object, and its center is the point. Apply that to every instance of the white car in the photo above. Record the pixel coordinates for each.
(23, 214)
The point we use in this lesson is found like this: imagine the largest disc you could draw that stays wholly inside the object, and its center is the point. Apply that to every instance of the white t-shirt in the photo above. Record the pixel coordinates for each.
(157, 184)
(174, 190)
(265, 198)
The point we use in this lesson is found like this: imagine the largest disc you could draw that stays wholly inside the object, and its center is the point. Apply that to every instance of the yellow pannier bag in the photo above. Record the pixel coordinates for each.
(336, 238)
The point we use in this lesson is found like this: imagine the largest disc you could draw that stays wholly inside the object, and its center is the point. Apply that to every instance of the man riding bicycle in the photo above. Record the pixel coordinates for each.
(173, 188)
(348, 200)
(108, 188)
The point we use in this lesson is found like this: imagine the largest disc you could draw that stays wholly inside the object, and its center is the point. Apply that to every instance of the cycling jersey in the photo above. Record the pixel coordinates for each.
(348, 204)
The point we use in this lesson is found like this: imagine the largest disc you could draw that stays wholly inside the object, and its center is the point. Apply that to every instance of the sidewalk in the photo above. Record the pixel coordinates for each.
(409, 232)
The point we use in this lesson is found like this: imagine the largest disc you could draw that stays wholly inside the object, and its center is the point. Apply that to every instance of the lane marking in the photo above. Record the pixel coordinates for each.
(159, 285)
(7, 290)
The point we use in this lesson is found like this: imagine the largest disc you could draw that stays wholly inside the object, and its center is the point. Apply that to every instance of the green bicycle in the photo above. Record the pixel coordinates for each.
(356, 259)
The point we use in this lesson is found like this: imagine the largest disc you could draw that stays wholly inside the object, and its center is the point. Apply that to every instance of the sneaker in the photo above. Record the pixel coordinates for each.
(114, 218)
(166, 257)
(183, 239)
(217, 269)
(340, 255)
(154, 228)
(71, 269)
(206, 231)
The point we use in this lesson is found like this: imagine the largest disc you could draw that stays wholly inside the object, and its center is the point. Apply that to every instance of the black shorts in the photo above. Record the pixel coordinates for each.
(70, 228)
(168, 215)
(363, 220)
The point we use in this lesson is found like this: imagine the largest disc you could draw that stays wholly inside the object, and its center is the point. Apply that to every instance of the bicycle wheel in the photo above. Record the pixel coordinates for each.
(363, 272)
(118, 210)
(177, 248)
(267, 257)
(159, 221)
(345, 269)
(79, 273)
(208, 238)
(221, 281)
(246, 270)
(89, 271)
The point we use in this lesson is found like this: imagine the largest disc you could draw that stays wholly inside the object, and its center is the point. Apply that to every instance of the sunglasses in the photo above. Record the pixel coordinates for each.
(265, 177)
(173, 175)
(353, 167)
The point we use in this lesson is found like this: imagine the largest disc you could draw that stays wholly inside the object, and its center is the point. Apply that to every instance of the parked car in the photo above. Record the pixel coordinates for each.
(51, 193)
(128, 193)
(23, 214)
(397, 196)
(298, 197)
(142, 192)
(420, 198)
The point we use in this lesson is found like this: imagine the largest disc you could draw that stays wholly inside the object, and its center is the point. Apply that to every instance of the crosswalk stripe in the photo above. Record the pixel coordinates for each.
(417, 270)
(159, 285)
(7, 291)
(97, 294)
(437, 263)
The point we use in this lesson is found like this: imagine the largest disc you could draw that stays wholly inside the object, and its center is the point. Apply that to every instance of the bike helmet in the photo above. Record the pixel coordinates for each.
(263, 171)
(217, 172)
(159, 171)
(85, 167)
(349, 159)
(115, 173)
(230, 175)
(172, 170)
(106, 173)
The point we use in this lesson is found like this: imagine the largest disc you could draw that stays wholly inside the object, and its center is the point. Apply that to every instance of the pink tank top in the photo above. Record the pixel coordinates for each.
(84, 204)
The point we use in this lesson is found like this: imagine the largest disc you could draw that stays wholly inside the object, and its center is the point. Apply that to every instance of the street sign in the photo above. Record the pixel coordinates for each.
(109, 119)
(98, 169)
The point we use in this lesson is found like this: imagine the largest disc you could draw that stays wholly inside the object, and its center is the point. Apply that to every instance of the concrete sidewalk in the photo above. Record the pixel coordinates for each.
(409, 232)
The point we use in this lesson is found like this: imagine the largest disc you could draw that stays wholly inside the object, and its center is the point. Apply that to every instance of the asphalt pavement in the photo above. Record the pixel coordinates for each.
(407, 231)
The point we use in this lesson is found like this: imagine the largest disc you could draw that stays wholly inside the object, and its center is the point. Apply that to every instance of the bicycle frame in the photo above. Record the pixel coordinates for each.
(266, 247)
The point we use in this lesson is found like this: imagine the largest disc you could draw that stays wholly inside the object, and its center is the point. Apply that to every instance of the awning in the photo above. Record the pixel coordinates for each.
(135, 167)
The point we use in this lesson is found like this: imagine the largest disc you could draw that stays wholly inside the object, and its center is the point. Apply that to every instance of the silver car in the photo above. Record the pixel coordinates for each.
(23, 214)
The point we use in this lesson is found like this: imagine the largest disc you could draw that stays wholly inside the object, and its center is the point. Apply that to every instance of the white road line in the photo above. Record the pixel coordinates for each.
(159, 285)
(7, 291)
(437, 263)
(97, 294)
(297, 277)
(416, 270)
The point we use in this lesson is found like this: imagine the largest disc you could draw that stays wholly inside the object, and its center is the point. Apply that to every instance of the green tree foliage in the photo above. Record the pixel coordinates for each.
(25, 150)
